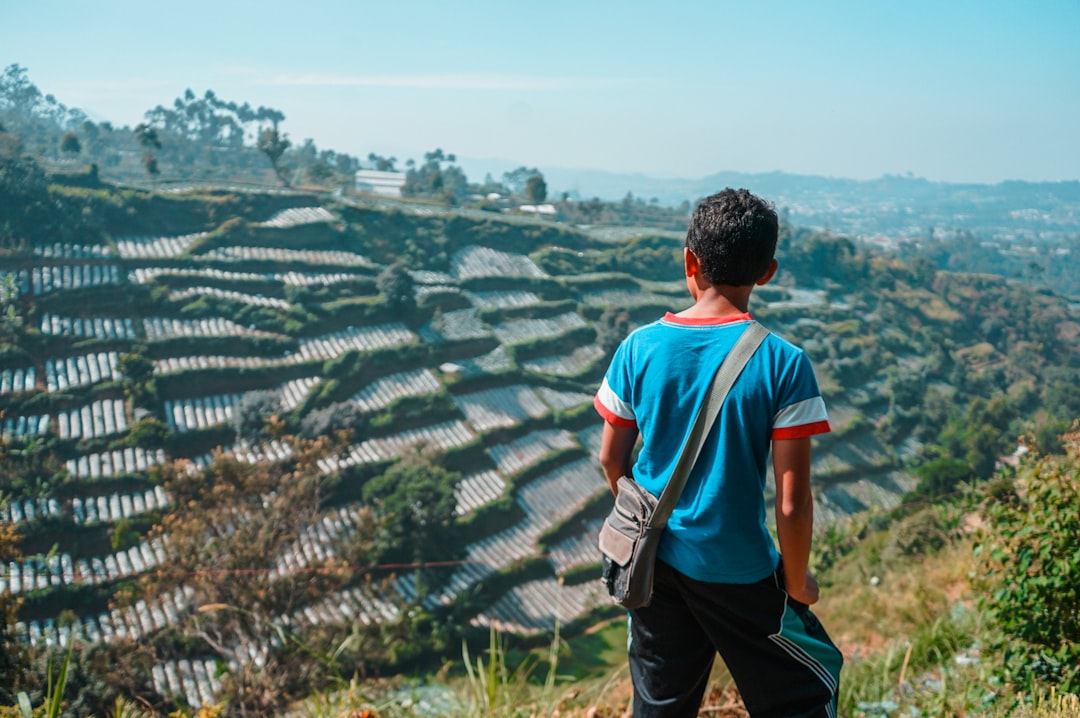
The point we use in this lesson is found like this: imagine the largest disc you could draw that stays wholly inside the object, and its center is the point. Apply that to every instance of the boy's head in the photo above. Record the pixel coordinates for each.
(733, 235)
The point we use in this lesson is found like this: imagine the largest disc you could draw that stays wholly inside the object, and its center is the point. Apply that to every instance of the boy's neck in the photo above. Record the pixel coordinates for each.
(719, 301)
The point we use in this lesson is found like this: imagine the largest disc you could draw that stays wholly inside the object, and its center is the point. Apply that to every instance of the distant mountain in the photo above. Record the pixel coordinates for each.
(891, 207)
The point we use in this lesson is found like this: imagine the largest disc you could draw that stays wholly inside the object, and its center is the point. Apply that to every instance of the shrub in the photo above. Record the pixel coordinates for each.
(1029, 556)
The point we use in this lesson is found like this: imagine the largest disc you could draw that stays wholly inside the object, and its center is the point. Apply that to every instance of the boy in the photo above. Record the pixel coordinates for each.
(719, 582)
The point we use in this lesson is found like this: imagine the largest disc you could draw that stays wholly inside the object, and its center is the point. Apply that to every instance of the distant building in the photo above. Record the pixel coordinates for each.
(548, 209)
(385, 184)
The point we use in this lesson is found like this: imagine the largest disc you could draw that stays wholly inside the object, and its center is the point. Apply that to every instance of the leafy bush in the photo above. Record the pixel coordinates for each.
(1029, 557)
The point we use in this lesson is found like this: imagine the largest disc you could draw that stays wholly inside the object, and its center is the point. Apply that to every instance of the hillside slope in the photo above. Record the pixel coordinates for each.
(487, 366)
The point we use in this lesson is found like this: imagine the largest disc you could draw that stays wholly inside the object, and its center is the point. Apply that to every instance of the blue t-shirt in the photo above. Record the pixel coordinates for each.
(656, 382)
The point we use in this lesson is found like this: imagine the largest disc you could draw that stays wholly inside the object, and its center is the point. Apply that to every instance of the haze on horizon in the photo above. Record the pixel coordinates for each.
(959, 92)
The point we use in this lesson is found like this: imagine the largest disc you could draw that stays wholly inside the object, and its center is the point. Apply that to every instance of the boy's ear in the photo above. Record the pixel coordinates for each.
(691, 262)
(765, 278)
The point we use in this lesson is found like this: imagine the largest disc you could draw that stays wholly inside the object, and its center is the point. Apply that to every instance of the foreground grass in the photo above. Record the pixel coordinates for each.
(899, 601)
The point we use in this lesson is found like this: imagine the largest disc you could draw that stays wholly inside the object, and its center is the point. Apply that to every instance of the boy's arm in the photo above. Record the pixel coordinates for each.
(795, 515)
(616, 450)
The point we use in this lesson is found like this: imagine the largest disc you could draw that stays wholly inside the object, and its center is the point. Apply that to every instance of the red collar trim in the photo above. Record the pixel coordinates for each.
(706, 321)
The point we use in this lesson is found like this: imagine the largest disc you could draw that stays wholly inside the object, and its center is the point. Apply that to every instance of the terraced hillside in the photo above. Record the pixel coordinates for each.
(491, 372)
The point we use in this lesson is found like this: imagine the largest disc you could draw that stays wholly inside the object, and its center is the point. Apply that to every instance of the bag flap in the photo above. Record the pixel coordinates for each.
(615, 545)
(633, 500)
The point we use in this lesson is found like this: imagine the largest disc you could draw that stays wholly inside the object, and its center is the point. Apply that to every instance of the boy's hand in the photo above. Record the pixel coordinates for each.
(806, 593)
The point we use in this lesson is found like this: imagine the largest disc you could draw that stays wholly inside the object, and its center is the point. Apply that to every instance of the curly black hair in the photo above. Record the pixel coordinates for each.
(733, 234)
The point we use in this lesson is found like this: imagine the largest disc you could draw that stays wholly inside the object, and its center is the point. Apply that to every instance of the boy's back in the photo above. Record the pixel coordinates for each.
(717, 531)
(719, 583)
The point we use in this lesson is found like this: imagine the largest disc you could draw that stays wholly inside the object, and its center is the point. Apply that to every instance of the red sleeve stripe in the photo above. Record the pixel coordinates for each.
(798, 432)
(610, 417)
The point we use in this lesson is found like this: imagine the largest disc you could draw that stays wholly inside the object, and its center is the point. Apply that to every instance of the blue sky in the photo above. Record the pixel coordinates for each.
(949, 90)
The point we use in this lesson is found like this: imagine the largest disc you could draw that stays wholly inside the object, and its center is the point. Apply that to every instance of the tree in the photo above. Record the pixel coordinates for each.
(536, 189)
(415, 502)
(432, 179)
(273, 144)
(252, 412)
(329, 420)
(396, 285)
(227, 540)
(138, 375)
(70, 145)
(382, 164)
(516, 180)
(147, 136)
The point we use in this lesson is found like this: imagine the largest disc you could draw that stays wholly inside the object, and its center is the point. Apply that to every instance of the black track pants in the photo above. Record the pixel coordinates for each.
(783, 662)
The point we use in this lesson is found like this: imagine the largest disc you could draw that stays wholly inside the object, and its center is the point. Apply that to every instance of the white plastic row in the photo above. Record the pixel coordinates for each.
(73, 276)
(502, 300)
(277, 254)
(88, 327)
(558, 495)
(61, 570)
(478, 490)
(501, 407)
(13, 381)
(354, 605)
(253, 299)
(522, 453)
(622, 298)
(495, 361)
(134, 622)
(563, 400)
(298, 215)
(426, 276)
(175, 364)
(522, 330)
(186, 415)
(66, 250)
(548, 500)
(445, 436)
(422, 291)
(61, 374)
(544, 507)
(475, 261)
(16, 512)
(329, 346)
(271, 451)
(19, 426)
(590, 438)
(104, 417)
(302, 279)
(382, 392)
(194, 681)
(575, 551)
(456, 324)
(142, 275)
(131, 460)
(295, 391)
(318, 542)
(167, 327)
(538, 606)
(488, 555)
(156, 247)
(566, 364)
(118, 506)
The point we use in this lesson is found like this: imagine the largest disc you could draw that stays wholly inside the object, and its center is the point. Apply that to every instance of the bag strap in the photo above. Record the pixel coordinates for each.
(729, 371)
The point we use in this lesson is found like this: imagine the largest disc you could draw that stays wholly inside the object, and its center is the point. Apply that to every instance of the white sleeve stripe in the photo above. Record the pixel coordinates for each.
(808, 411)
(613, 403)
